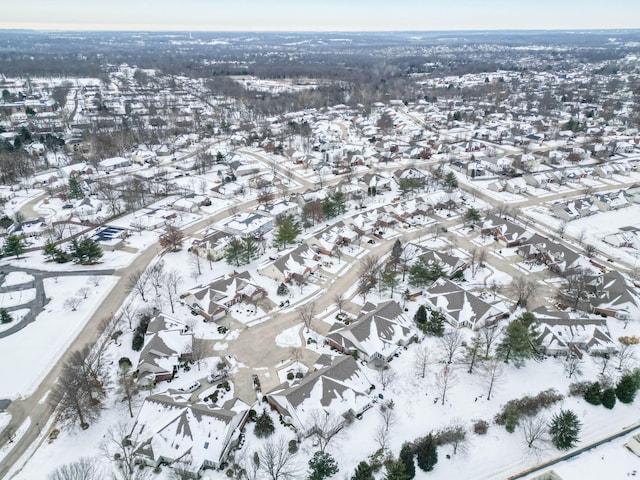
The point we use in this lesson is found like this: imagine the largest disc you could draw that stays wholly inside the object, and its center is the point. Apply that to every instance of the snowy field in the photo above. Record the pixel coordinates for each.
(38, 346)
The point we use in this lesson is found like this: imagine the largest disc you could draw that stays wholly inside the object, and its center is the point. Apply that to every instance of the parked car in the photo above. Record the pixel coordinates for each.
(214, 377)
(190, 388)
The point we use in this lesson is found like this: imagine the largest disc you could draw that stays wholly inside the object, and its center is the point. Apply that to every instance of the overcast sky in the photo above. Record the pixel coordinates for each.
(320, 15)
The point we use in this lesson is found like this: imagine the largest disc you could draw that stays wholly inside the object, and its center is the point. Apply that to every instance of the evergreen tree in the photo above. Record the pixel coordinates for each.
(521, 338)
(627, 387)
(406, 456)
(234, 252)
(329, 208)
(321, 466)
(363, 472)
(421, 316)
(435, 325)
(421, 274)
(50, 250)
(5, 317)
(288, 230)
(450, 180)
(609, 398)
(340, 202)
(396, 471)
(264, 426)
(396, 253)
(565, 429)
(282, 290)
(593, 394)
(472, 215)
(85, 251)
(249, 250)
(13, 245)
(427, 453)
(389, 280)
(74, 190)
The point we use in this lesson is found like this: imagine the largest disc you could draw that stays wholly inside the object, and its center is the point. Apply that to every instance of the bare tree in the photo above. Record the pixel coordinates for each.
(156, 275)
(522, 289)
(573, 365)
(603, 361)
(196, 259)
(534, 429)
(80, 390)
(130, 312)
(137, 282)
(451, 343)
(276, 462)
(454, 434)
(172, 238)
(200, 349)
(325, 427)
(489, 334)
(422, 359)
(446, 379)
(381, 436)
(119, 449)
(84, 292)
(127, 385)
(386, 375)
(95, 280)
(339, 300)
(387, 414)
(625, 356)
(368, 275)
(307, 313)
(72, 303)
(171, 282)
(82, 469)
(492, 373)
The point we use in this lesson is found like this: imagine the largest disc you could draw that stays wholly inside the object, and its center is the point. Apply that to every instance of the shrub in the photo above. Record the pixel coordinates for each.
(264, 425)
(627, 387)
(609, 398)
(293, 447)
(427, 453)
(229, 472)
(481, 427)
(252, 415)
(124, 363)
(290, 376)
(526, 406)
(593, 394)
(578, 389)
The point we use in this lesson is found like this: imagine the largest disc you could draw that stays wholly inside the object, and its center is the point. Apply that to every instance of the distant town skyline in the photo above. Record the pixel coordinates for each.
(321, 15)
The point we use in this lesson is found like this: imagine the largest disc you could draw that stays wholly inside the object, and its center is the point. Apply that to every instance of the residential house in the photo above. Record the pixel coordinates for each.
(507, 232)
(295, 265)
(339, 390)
(248, 224)
(170, 428)
(460, 307)
(167, 343)
(376, 335)
(610, 201)
(615, 297)
(562, 333)
(111, 164)
(213, 301)
(212, 245)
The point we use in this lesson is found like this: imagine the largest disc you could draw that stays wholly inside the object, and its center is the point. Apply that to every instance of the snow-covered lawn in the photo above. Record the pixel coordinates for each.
(17, 316)
(16, 278)
(290, 337)
(39, 345)
(18, 297)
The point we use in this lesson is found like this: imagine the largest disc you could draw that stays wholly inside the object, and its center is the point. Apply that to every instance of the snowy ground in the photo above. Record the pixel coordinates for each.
(16, 278)
(38, 346)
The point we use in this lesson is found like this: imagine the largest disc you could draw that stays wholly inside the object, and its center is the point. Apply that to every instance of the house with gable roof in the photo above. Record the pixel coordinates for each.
(615, 297)
(508, 233)
(167, 343)
(170, 428)
(376, 335)
(295, 265)
(561, 333)
(338, 388)
(460, 307)
(212, 301)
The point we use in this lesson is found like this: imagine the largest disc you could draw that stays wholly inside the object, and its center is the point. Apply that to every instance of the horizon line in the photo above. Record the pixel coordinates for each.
(184, 29)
